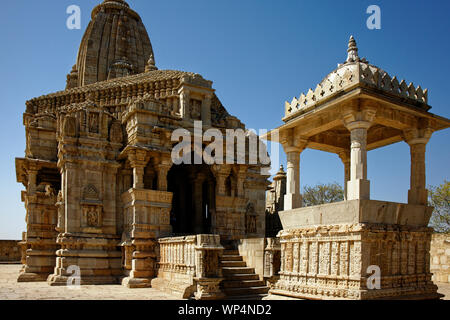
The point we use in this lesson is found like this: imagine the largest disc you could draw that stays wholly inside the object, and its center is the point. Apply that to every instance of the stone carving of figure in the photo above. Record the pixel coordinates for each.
(195, 109)
(61, 212)
(92, 217)
(49, 191)
(250, 219)
(69, 127)
(115, 134)
(93, 122)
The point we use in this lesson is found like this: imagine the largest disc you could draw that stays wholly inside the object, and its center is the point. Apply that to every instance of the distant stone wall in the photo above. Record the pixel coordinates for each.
(440, 257)
(9, 251)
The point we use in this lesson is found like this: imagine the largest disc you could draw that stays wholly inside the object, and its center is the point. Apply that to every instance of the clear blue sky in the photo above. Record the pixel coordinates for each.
(259, 53)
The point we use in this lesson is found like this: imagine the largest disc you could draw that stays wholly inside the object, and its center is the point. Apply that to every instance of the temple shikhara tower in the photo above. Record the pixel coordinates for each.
(102, 193)
(105, 201)
(334, 251)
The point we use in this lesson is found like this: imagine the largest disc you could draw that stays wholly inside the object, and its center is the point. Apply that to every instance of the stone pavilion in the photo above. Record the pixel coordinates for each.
(331, 251)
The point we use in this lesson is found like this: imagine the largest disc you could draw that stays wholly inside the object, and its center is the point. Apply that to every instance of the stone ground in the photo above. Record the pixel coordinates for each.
(11, 290)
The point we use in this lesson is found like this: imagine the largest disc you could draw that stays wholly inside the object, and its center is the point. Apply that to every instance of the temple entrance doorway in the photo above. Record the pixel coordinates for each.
(193, 204)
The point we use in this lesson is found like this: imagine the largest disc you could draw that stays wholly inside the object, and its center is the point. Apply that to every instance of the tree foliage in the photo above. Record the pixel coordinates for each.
(439, 198)
(322, 193)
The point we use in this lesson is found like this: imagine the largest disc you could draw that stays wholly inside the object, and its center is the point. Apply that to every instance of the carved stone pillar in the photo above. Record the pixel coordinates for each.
(358, 119)
(197, 200)
(32, 178)
(345, 157)
(241, 174)
(206, 111)
(358, 187)
(163, 169)
(221, 173)
(138, 161)
(293, 198)
(417, 140)
(184, 103)
(293, 146)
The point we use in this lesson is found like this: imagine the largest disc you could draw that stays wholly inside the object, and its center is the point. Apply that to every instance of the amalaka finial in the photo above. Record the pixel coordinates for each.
(151, 66)
(352, 50)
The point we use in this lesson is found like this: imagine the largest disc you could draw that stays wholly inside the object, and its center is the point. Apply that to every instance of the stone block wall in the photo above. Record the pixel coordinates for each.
(440, 257)
(9, 251)
(252, 252)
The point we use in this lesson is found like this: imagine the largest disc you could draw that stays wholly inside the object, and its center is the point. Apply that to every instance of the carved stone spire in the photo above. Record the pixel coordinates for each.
(352, 50)
(115, 44)
(151, 66)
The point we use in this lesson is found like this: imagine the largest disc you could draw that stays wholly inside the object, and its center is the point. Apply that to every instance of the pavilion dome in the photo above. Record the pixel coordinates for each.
(115, 44)
(355, 72)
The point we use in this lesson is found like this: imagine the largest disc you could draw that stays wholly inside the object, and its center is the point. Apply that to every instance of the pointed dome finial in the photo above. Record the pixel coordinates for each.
(151, 66)
(352, 51)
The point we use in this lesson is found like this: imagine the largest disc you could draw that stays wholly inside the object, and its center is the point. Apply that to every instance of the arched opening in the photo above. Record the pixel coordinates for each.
(193, 204)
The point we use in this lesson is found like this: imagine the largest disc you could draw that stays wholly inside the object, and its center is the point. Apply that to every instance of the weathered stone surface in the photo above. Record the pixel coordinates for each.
(102, 190)
(10, 251)
(329, 251)
(440, 257)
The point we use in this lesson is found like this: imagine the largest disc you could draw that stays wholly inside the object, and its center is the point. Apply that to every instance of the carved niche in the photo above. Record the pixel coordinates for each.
(70, 127)
(116, 133)
(196, 109)
(92, 210)
(250, 219)
(93, 122)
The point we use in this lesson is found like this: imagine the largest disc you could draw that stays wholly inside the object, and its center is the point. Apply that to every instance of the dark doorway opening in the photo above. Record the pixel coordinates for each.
(193, 204)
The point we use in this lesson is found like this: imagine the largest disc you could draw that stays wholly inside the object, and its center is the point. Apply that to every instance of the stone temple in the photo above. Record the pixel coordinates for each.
(105, 202)
(101, 191)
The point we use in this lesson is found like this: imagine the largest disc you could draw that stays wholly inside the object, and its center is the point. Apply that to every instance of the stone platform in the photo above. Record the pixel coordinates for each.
(11, 290)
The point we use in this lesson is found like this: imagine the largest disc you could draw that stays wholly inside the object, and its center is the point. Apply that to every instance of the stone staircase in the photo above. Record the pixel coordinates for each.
(241, 282)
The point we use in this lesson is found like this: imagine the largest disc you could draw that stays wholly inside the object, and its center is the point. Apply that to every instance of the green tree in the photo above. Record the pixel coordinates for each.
(439, 198)
(322, 193)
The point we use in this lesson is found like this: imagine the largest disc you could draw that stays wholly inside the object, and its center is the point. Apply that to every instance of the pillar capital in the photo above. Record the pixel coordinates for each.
(293, 142)
(417, 136)
(138, 158)
(221, 169)
(359, 114)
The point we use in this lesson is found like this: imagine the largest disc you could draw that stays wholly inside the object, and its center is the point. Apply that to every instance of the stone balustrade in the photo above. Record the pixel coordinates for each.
(177, 255)
(190, 266)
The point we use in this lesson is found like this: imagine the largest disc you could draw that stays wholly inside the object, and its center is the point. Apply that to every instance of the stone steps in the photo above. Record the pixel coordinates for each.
(237, 270)
(227, 264)
(233, 292)
(240, 277)
(231, 258)
(241, 282)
